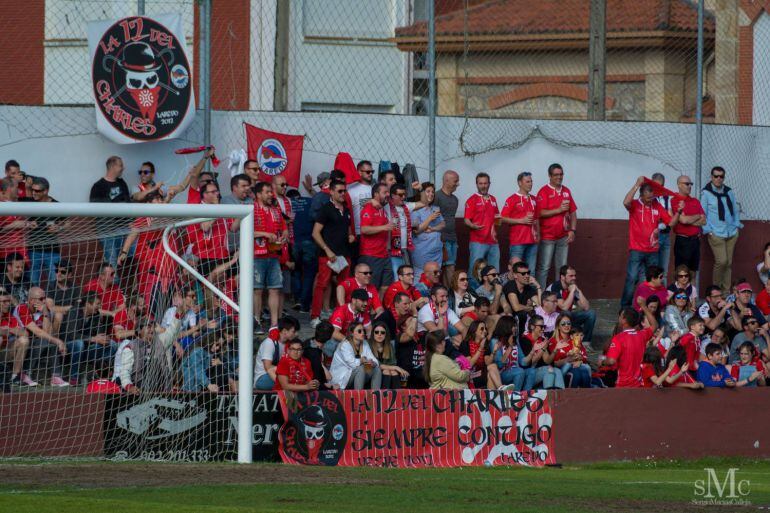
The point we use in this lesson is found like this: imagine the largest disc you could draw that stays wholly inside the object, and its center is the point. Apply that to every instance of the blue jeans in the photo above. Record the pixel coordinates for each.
(526, 252)
(586, 320)
(489, 252)
(581, 376)
(306, 261)
(551, 249)
(98, 354)
(264, 382)
(42, 260)
(395, 263)
(451, 252)
(267, 274)
(515, 376)
(112, 247)
(74, 351)
(664, 250)
(638, 262)
(546, 375)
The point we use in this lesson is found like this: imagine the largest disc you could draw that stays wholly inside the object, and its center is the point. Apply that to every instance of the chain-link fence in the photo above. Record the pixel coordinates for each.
(353, 75)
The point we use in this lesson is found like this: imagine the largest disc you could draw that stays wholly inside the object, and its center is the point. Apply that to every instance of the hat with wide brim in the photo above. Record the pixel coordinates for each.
(139, 57)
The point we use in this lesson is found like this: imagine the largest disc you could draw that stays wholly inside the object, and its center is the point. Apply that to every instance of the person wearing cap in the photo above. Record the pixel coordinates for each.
(745, 308)
(754, 333)
(323, 181)
(723, 220)
(355, 311)
(490, 288)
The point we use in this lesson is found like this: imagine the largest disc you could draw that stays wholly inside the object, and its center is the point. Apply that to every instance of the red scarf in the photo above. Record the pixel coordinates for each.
(425, 281)
(287, 211)
(396, 244)
(437, 316)
(266, 219)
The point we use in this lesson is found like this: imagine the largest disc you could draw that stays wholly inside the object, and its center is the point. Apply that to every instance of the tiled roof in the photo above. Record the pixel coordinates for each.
(563, 17)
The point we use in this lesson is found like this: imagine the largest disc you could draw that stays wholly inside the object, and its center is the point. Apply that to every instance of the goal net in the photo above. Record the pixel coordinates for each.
(121, 330)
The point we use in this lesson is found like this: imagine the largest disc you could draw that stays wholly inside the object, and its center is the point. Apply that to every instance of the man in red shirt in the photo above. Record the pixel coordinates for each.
(627, 347)
(481, 215)
(12, 228)
(270, 234)
(644, 217)
(521, 213)
(356, 310)
(361, 279)
(14, 342)
(404, 284)
(198, 178)
(688, 231)
(294, 372)
(375, 237)
(110, 295)
(556, 212)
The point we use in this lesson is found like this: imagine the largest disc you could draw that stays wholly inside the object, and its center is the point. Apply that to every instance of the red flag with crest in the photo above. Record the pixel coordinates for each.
(276, 153)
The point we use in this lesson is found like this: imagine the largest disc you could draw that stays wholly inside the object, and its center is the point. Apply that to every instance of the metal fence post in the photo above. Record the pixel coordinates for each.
(597, 57)
(699, 103)
(431, 90)
(140, 7)
(205, 69)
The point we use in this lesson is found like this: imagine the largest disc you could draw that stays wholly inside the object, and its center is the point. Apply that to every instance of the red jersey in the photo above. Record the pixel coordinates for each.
(121, 319)
(562, 352)
(210, 244)
(482, 211)
(351, 284)
(270, 220)
(692, 207)
(299, 371)
(25, 316)
(111, 297)
(193, 196)
(548, 198)
(763, 301)
(374, 245)
(343, 316)
(627, 348)
(691, 345)
(684, 378)
(10, 322)
(648, 371)
(12, 240)
(102, 386)
(395, 288)
(516, 207)
(643, 221)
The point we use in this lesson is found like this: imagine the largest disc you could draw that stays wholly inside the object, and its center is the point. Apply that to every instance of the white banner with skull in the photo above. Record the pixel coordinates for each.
(141, 78)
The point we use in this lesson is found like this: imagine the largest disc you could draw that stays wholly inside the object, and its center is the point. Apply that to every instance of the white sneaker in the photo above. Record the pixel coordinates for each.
(326, 314)
(58, 382)
(315, 322)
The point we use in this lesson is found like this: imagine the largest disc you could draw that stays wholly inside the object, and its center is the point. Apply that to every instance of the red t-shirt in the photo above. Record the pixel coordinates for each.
(374, 245)
(763, 301)
(516, 207)
(7, 321)
(193, 196)
(299, 371)
(548, 198)
(684, 378)
(627, 348)
(562, 352)
(691, 346)
(390, 295)
(211, 244)
(12, 241)
(351, 284)
(643, 223)
(645, 290)
(24, 315)
(482, 211)
(111, 297)
(343, 317)
(648, 371)
(121, 319)
(692, 207)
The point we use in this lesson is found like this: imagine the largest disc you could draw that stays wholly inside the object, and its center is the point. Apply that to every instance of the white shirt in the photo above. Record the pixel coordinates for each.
(401, 222)
(266, 352)
(189, 320)
(345, 361)
(426, 315)
(360, 194)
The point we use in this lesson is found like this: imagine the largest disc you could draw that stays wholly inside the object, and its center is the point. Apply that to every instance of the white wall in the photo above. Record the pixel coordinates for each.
(598, 174)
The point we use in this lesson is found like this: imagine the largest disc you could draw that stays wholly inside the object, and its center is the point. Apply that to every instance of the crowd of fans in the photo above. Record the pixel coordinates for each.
(374, 264)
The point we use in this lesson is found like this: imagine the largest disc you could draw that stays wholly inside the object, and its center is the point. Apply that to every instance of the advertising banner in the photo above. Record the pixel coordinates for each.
(140, 77)
(417, 428)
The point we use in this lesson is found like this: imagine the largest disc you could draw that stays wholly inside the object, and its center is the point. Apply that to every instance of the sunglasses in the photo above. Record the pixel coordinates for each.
(38, 190)
(538, 325)
(689, 184)
(359, 330)
(379, 332)
(432, 272)
(523, 273)
(401, 194)
(368, 171)
(681, 296)
(565, 323)
(365, 273)
(145, 172)
(682, 275)
(717, 176)
(407, 274)
(341, 191)
(494, 275)
(745, 291)
(462, 279)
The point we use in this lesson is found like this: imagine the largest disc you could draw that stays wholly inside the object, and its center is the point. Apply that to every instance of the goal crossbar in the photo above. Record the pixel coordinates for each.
(197, 213)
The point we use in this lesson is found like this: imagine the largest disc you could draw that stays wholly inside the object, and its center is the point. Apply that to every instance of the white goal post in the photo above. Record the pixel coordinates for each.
(185, 215)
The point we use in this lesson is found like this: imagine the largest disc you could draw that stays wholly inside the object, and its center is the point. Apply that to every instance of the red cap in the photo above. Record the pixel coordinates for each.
(744, 286)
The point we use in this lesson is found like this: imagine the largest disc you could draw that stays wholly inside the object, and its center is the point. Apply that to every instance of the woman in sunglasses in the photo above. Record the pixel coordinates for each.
(484, 372)
(566, 352)
(382, 348)
(683, 280)
(534, 348)
(461, 297)
(678, 312)
(354, 365)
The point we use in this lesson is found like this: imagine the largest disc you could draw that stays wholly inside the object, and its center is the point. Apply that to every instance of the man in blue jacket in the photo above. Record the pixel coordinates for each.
(723, 220)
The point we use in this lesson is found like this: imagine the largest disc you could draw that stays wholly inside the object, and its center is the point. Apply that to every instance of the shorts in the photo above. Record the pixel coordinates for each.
(450, 252)
(267, 274)
(382, 273)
